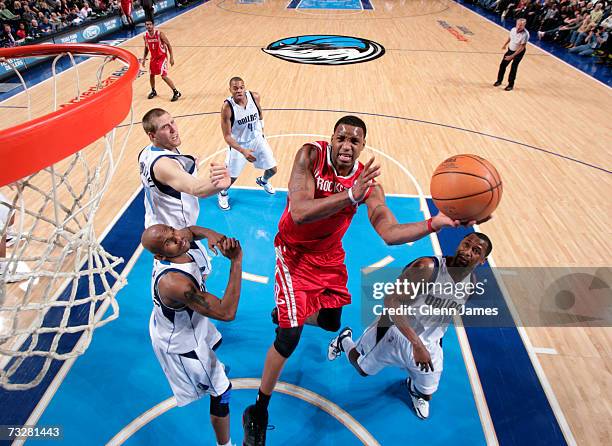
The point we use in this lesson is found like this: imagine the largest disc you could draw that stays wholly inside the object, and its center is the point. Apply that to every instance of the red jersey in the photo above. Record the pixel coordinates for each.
(157, 48)
(325, 234)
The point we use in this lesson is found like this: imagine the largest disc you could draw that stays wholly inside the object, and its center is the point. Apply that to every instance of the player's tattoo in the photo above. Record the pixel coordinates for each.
(193, 296)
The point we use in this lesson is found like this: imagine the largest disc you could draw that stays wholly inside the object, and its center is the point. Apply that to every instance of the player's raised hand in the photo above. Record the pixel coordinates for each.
(219, 176)
(422, 358)
(365, 180)
(248, 154)
(230, 248)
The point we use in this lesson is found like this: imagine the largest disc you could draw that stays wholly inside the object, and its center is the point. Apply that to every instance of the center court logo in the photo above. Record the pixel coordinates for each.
(325, 49)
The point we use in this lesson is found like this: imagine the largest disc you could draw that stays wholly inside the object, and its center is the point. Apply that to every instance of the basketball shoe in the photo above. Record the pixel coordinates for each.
(223, 201)
(334, 350)
(420, 405)
(266, 185)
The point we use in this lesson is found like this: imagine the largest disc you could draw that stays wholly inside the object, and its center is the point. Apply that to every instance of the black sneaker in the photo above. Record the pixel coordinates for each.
(509, 88)
(152, 94)
(254, 427)
(497, 84)
(175, 96)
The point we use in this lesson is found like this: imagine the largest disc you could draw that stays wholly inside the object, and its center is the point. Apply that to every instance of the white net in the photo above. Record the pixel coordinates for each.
(57, 283)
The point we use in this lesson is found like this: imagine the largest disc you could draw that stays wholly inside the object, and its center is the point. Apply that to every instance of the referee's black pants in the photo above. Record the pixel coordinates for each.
(504, 63)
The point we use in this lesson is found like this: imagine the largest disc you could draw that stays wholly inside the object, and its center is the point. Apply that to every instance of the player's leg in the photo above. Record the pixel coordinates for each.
(422, 385)
(175, 93)
(291, 304)
(255, 417)
(219, 417)
(235, 163)
(329, 319)
(266, 162)
(152, 82)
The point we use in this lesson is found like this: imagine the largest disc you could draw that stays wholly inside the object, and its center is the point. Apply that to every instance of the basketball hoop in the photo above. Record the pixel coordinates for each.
(57, 282)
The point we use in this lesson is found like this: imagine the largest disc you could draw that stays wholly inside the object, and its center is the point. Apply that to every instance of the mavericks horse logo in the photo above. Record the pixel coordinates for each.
(325, 49)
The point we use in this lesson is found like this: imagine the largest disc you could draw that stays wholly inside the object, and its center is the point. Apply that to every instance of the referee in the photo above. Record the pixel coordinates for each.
(518, 39)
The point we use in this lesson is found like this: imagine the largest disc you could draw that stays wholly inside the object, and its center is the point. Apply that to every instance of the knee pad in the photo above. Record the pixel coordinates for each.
(330, 318)
(219, 405)
(287, 340)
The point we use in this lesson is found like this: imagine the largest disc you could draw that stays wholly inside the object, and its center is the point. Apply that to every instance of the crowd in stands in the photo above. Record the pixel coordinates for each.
(583, 27)
(22, 21)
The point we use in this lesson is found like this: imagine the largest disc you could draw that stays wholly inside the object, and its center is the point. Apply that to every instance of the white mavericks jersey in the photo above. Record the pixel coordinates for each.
(181, 330)
(163, 204)
(440, 296)
(246, 121)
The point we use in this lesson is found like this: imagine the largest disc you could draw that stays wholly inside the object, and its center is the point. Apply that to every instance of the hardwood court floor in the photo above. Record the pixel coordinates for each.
(430, 96)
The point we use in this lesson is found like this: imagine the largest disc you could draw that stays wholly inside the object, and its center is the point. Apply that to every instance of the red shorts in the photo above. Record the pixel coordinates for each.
(159, 67)
(126, 7)
(306, 282)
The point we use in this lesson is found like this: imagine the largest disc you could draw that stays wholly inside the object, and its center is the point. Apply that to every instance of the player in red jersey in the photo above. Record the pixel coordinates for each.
(158, 45)
(126, 9)
(326, 185)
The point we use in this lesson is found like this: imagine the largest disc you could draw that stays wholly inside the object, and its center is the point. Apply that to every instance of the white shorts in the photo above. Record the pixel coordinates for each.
(262, 151)
(395, 350)
(193, 375)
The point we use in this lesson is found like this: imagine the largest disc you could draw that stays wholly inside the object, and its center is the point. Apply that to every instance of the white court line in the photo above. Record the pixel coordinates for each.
(254, 278)
(535, 46)
(253, 383)
(545, 351)
(548, 390)
(381, 263)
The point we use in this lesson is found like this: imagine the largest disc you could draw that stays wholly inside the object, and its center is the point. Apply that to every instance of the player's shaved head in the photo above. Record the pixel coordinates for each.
(148, 120)
(235, 79)
(152, 238)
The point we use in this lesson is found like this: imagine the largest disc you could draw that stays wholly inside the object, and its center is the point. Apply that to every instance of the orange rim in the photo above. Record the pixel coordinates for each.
(41, 142)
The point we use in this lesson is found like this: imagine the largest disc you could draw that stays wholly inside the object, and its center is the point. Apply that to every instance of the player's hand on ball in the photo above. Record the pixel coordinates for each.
(230, 248)
(365, 180)
(248, 154)
(422, 358)
(219, 176)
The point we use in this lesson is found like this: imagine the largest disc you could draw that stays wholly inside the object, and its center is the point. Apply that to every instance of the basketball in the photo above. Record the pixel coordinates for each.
(466, 187)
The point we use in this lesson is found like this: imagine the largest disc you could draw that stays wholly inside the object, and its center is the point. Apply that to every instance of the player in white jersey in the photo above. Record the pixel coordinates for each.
(414, 341)
(242, 127)
(182, 335)
(170, 178)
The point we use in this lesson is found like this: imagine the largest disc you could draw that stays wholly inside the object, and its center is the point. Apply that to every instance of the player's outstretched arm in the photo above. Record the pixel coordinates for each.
(394, 233)
(177, 287)
(419, 274)
(303, 206)
(170, 173)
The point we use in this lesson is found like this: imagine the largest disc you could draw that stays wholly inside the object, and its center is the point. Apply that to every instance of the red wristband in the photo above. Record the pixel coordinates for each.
(429, 226)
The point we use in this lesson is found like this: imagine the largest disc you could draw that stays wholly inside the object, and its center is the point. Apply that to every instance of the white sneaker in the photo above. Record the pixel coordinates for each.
(223, 201)
(266, 185)
(421, 406)
(334, 349)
